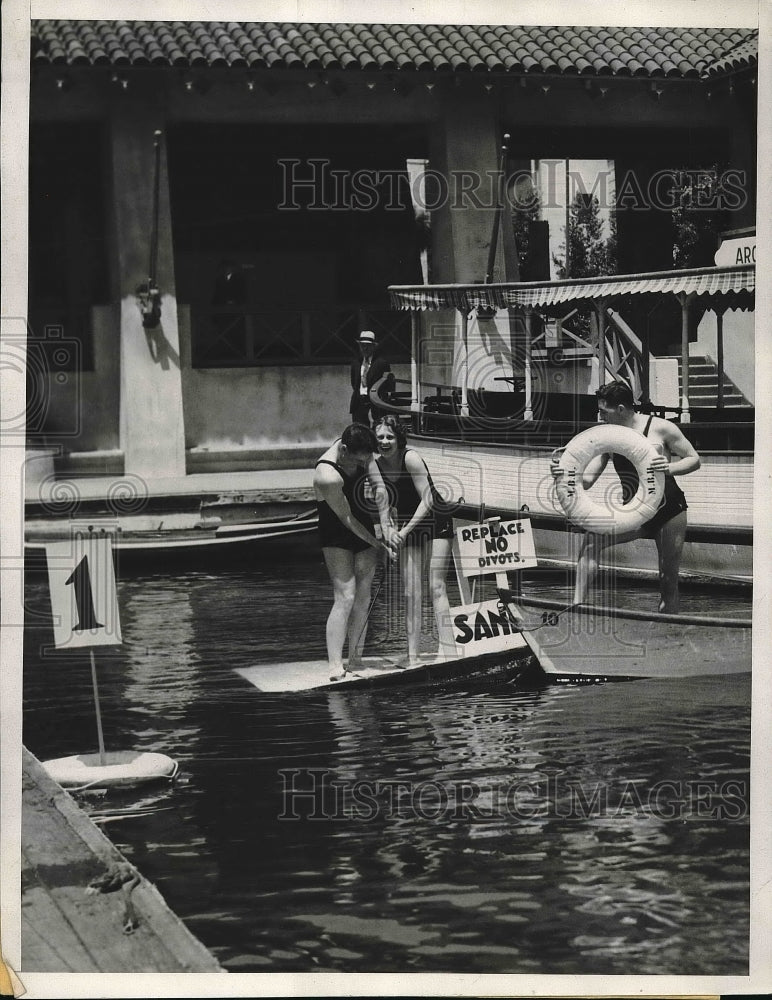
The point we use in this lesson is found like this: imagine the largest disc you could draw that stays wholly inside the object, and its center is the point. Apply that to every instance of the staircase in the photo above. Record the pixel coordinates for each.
(703, 385)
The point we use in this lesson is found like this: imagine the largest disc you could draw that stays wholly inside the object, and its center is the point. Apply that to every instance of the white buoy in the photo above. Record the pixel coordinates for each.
(116, 769)
(84, 603)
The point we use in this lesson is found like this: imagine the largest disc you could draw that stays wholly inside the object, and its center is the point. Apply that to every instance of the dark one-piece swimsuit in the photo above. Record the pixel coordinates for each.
(404, 498)
(332, 532)
(673, 501)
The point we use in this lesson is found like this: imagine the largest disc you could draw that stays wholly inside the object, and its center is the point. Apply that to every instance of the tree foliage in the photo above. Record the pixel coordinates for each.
(590, 253)
(698, 220)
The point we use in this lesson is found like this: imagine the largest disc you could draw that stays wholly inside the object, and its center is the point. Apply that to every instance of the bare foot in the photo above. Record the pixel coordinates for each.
(344, 674)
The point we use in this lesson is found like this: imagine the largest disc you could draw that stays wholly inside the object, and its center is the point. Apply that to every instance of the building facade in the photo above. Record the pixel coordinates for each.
(265, 177)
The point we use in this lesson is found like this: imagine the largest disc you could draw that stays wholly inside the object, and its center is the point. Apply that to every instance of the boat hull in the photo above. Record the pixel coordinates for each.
(140, 536)
(586, 643)
(509, 480)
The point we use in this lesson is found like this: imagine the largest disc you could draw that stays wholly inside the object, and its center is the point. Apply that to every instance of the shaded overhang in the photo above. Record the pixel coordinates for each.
(720, 287)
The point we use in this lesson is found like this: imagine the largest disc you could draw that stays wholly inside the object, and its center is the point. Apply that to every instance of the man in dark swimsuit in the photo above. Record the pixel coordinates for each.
(677, 457)
(341, 478)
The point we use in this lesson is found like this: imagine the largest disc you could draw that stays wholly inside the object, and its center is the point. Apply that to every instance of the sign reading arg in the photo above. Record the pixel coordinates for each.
(733, 253)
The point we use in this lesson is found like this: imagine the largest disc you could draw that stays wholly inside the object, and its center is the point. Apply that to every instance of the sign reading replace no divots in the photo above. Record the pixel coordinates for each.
(495, 547)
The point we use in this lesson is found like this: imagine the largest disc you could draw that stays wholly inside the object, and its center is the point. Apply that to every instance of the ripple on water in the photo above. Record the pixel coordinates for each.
(560, 831)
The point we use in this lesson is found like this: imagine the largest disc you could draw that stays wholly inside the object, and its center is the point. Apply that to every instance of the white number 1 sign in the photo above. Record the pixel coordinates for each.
(81, 581)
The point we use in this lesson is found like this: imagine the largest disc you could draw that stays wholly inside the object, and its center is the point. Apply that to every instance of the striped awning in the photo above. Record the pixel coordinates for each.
(735, 286)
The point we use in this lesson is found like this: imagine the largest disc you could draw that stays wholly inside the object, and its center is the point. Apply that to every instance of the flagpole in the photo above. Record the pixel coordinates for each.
(100, 735)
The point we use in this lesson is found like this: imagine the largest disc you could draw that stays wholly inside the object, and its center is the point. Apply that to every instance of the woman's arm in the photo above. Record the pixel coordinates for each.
(416, 466)
(381, 497)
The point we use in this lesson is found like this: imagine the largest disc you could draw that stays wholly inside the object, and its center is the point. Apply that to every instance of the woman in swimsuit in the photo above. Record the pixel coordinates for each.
(425, 534)
(668, 526)
(346, 535)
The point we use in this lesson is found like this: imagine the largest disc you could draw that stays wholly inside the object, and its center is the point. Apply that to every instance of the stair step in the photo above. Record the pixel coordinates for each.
(706, 379)
(704, 384)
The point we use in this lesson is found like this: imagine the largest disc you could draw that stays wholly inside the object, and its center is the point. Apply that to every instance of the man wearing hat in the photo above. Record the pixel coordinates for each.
(366, 370)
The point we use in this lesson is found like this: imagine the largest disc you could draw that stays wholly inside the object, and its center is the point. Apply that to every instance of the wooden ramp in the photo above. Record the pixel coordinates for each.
(84, 908)
(602, 643)
(381, 671)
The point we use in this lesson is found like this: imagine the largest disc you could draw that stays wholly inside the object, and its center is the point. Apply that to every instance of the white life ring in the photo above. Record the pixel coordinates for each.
(607, 517)
(122, 768)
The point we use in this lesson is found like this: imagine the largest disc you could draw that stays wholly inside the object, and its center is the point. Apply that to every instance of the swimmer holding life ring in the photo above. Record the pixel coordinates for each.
(647, 452)
(601, 515)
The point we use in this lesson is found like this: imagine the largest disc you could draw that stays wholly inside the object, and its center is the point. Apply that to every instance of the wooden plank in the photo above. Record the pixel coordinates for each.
(306, 675)
(310, 675)
(66, 929)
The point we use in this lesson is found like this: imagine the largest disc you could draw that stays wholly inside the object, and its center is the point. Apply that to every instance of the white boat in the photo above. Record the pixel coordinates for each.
(594, 643)
(144, 534)
(504, 479)
(490, 450)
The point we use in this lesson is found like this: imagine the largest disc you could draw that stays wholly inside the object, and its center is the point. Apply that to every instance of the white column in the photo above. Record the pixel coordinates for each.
(464, 364)
(600, 307)
(720, 355)
(684, 300)
(152, 433)
(528, 412)
(415, 385)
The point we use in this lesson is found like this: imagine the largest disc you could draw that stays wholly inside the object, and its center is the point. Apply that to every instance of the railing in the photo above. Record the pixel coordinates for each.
(498, 417)
(241, 337)
(611, 340)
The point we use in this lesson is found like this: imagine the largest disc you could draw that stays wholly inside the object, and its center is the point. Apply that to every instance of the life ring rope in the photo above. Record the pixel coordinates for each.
(607, 518)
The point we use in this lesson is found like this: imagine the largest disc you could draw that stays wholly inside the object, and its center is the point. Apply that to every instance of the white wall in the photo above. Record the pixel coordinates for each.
(739, 347)
(663, 382)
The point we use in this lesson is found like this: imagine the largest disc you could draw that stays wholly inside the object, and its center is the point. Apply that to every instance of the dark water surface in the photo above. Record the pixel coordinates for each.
(568, 830)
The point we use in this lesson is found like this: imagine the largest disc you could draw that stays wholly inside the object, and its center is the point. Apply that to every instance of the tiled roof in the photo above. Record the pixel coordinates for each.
(742, 56)
(584, 51)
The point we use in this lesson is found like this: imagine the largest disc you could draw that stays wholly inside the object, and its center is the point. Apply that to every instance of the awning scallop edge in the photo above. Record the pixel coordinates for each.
(732, 286)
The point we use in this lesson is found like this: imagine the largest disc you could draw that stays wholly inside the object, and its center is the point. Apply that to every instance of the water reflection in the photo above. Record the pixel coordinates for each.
(562, 831)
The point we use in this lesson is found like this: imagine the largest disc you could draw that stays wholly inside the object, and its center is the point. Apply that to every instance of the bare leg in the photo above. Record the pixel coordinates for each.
(411, 565)
(364, 571)
(670, 544)
(587, 565)
(438, 570)
(590, 554)
(340, 566)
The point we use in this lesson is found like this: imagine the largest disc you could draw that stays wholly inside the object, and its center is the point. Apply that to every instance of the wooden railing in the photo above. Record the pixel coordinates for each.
(243, 337)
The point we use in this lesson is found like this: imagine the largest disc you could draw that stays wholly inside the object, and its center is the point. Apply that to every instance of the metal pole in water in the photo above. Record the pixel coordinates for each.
(100, 735)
